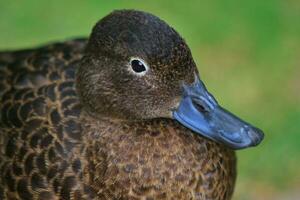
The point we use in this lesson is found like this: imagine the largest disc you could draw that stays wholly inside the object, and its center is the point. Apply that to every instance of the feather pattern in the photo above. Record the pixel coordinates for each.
(51, 148)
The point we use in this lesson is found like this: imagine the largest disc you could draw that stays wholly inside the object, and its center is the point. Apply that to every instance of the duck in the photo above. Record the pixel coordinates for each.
(122, 114)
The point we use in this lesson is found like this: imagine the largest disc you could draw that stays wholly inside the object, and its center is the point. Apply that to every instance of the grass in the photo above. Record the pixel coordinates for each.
(247, 52)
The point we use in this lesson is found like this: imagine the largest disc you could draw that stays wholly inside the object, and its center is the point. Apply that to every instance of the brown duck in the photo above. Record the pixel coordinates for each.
(123, 115)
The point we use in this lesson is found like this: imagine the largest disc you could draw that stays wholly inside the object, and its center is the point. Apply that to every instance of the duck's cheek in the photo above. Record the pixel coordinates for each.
(200, 112)
(166, 105)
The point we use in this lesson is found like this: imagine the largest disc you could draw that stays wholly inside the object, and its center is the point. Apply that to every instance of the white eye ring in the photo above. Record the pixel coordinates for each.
(138, 66)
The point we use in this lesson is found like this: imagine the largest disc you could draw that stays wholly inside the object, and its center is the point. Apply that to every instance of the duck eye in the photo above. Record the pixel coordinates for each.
(138, 66)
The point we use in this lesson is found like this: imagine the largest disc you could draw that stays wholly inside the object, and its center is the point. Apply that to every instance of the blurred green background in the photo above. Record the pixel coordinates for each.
(248, 53)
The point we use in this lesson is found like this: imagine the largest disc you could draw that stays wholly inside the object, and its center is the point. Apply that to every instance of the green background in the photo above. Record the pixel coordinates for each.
(248, 54)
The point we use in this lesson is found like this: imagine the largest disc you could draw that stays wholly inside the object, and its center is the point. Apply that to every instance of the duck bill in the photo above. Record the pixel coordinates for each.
(200, 112)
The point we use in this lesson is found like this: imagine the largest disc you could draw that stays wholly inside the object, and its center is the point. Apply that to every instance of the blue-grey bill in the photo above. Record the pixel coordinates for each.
(200, 112)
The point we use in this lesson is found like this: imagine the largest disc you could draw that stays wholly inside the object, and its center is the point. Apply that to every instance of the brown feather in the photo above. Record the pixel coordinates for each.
(51, 147)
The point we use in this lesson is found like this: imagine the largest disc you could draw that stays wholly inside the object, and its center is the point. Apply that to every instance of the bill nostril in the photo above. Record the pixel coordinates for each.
(199, 106)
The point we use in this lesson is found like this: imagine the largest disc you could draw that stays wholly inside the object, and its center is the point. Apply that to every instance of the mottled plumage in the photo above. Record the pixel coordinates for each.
(75, 124)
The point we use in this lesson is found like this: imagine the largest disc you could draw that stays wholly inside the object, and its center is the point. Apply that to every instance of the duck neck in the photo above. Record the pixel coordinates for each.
(132, 156)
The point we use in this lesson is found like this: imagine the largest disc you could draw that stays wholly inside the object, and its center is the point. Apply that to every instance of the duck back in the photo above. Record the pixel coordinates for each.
(39, 126)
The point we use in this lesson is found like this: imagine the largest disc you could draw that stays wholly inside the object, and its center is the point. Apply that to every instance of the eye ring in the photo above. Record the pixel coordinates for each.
(138, 66)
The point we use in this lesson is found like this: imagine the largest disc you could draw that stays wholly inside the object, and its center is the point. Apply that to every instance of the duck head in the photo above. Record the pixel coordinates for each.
(136, 67)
